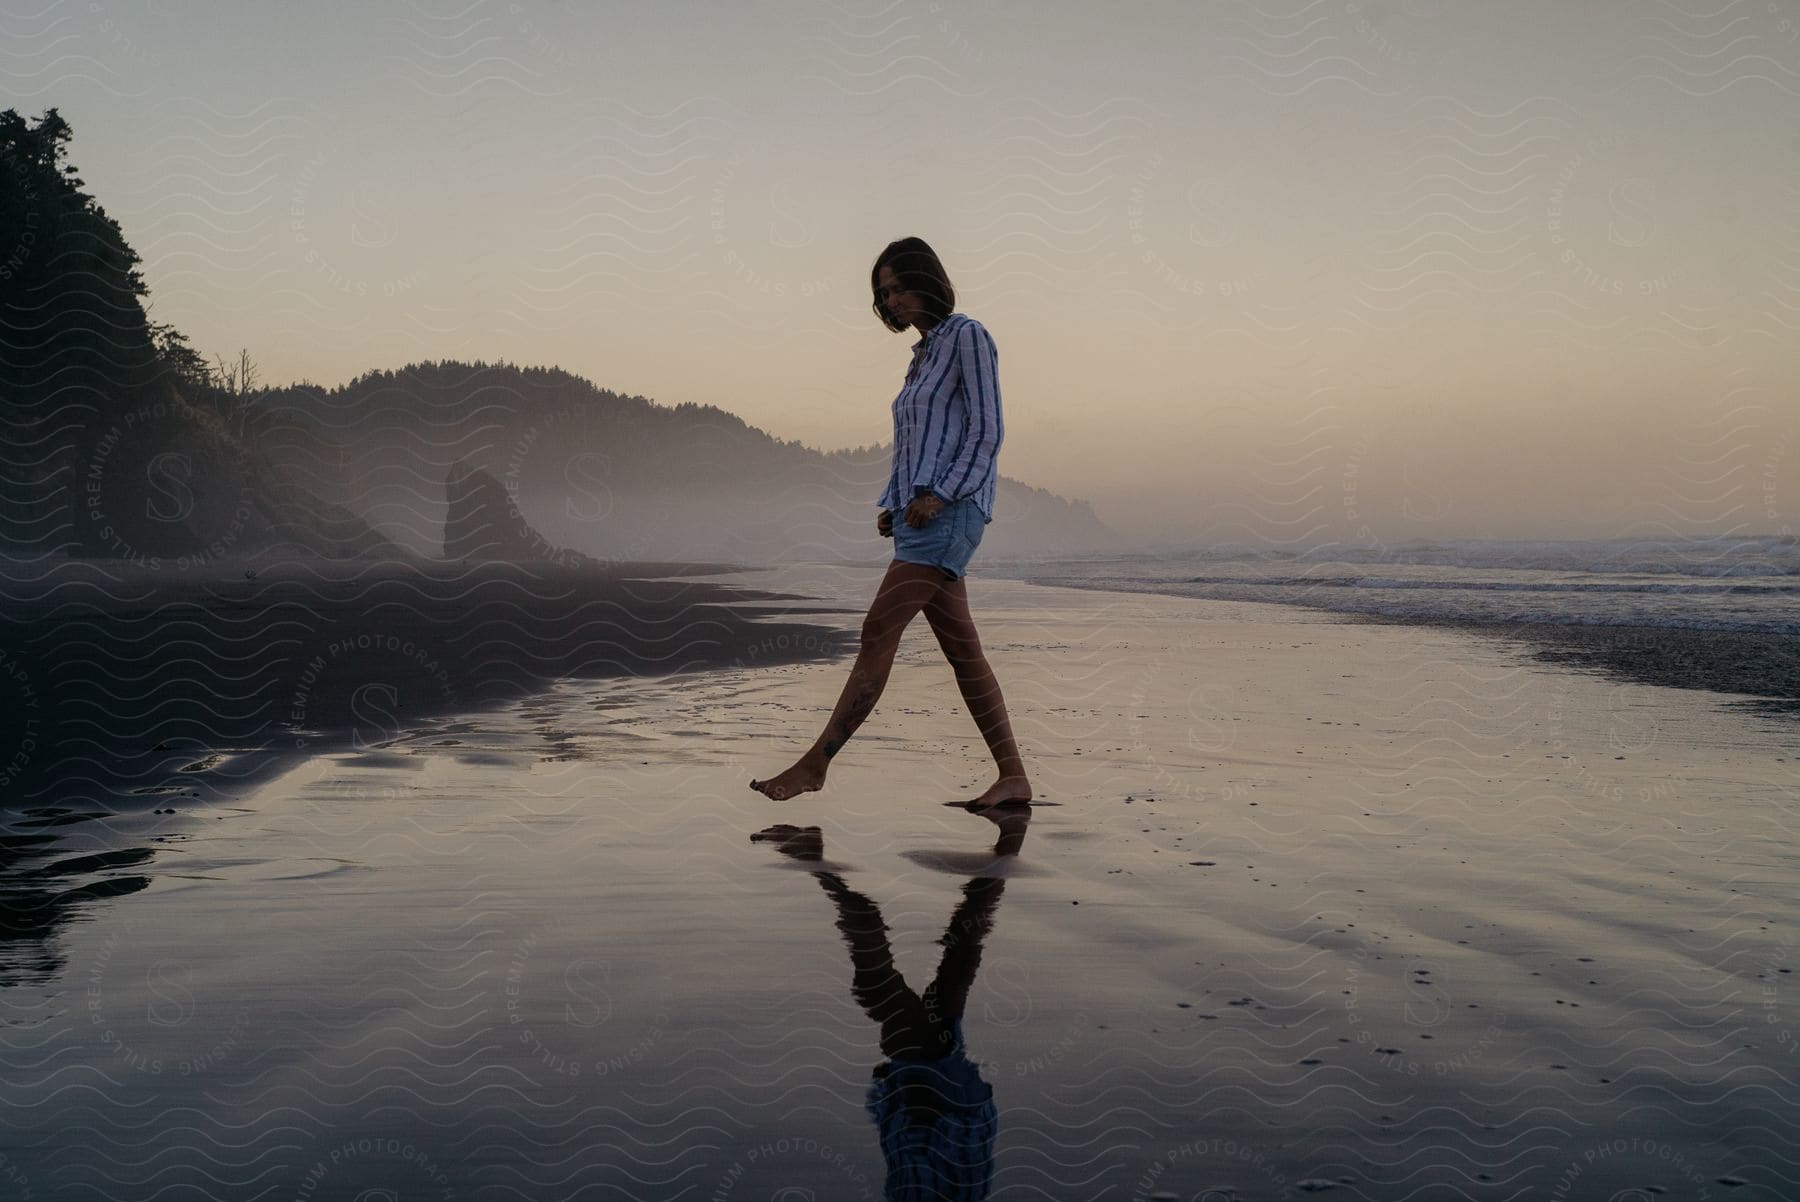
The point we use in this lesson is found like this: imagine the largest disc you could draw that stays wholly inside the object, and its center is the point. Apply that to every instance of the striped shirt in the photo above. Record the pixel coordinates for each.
(947, 425)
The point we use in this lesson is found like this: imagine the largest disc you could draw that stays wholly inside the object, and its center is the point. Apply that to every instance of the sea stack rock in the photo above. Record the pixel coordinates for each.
(483, 522)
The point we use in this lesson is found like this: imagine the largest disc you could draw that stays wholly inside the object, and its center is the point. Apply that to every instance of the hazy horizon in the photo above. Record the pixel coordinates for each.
(1332, 271)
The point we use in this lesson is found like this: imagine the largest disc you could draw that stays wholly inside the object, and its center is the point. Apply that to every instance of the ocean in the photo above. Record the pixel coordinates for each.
(1718, 613)
(1743, 584)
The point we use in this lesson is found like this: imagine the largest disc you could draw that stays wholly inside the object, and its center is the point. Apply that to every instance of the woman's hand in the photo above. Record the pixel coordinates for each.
(884, 524)
(924, 507)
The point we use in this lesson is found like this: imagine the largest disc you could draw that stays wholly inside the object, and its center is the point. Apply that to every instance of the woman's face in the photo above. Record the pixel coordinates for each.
(903, 305)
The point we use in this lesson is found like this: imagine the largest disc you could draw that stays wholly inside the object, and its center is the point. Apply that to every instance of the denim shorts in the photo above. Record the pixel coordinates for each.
(946, 542)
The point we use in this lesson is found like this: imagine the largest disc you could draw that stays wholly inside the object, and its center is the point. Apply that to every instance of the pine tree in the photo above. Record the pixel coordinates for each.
(72, 320)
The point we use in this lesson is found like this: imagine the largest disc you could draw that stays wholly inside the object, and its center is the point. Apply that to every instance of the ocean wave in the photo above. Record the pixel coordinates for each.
(1743, 584)
(1707, 558)
(1504, 586)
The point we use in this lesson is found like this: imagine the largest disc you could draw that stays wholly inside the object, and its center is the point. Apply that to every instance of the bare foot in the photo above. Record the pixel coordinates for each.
(1006, 789)
(806, 776)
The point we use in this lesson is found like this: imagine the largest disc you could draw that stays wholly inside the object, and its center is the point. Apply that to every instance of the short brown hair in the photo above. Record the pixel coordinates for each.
(917, 268)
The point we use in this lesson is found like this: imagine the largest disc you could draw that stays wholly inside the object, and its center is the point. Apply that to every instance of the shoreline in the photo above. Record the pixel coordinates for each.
(374, 662)
(135, 686)
(1758, 671)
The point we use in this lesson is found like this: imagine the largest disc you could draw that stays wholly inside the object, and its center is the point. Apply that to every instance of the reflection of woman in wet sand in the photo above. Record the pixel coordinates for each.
(947, 432)
(935, 1114)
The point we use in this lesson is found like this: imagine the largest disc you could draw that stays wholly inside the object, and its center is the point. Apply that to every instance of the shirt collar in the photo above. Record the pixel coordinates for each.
(934, 329)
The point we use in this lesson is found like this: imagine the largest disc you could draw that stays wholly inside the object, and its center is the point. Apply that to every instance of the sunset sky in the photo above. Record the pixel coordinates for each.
(1292, 271)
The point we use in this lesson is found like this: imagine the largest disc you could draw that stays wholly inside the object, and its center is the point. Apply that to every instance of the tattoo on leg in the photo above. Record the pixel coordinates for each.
(859, 709)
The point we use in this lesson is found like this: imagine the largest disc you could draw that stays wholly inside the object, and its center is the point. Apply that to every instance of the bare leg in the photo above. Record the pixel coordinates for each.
(948, 993)
(875, 981)
(904, 591)
(948, 613)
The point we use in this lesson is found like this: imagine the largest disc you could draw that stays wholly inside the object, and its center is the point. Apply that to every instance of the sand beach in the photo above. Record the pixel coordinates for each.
(1310, 905)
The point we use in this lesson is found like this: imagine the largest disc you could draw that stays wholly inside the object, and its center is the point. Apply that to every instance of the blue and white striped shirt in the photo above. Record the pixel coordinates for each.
(947, 425)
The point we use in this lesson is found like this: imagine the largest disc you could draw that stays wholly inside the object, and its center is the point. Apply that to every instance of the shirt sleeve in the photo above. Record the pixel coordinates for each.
(978, 362)
(934, 391)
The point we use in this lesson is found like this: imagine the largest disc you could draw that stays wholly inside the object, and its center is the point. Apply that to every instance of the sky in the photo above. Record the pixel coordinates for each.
(1287, 272)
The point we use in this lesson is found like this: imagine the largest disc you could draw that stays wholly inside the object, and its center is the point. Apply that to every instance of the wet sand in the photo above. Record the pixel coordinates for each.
(119, 683)
(1761, 670)
(1316, 906)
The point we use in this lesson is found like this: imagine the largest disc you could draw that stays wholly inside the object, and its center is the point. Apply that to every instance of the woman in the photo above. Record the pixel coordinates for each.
(947, 432)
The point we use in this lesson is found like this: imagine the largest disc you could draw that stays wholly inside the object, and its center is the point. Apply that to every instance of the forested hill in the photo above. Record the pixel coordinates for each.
(614, 476)
(116, 440)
